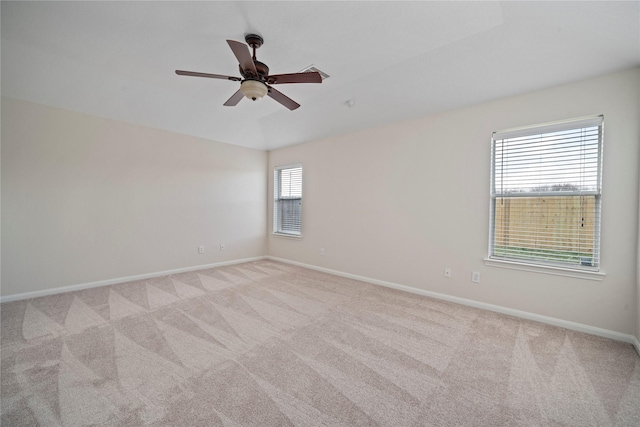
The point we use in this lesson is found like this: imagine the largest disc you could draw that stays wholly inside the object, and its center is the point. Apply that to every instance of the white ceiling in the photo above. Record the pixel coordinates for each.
(395, 60)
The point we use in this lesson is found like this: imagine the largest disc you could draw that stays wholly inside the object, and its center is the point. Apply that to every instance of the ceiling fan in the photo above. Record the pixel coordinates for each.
(256, 81)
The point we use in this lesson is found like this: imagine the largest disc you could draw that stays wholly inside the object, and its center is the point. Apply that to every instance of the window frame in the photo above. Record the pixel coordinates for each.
(277, 184)
(539, 265)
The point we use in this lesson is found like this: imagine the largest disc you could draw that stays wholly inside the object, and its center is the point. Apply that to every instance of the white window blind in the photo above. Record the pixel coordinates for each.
(546, 194)
(287, 208)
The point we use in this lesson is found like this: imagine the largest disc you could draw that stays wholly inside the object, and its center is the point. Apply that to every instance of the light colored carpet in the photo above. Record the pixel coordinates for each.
(270, 344)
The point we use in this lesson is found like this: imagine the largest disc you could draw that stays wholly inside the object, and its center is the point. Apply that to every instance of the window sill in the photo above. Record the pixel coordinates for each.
(555, 271)
(288, 236)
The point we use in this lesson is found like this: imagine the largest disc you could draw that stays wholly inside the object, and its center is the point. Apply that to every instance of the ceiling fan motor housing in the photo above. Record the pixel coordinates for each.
(261, 68)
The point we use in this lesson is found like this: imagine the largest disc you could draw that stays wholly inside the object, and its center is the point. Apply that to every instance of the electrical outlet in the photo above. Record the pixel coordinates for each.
(200, 249)
(321, 251)
(475, 277)
(222, 248)
(447, 272)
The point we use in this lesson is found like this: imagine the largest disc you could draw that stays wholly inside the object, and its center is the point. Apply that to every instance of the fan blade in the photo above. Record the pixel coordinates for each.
(235, 98)
(241, 51)
(311, 77)
(282, 99)
(212, 76)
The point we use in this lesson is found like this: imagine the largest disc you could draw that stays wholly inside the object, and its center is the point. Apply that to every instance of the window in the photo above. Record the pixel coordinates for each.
(287, 207)
(546, 194)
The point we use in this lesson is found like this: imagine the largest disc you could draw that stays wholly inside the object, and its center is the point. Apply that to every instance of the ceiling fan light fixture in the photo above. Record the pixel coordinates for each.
(253, 89)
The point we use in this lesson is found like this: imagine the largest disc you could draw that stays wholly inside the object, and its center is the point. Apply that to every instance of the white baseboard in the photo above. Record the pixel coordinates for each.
(579, 327)
(46, 292)
(636, 345)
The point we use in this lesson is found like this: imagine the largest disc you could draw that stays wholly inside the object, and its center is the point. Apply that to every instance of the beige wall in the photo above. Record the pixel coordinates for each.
(401, 202)
(88, 199)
